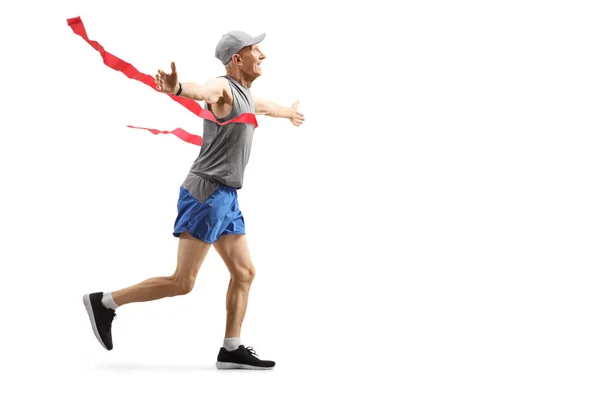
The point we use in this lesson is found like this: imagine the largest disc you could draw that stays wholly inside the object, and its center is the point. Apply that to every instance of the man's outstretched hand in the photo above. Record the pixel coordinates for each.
(298, 118)
(167, 83)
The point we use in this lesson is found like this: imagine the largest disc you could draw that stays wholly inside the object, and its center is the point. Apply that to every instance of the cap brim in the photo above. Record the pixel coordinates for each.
(257, 39)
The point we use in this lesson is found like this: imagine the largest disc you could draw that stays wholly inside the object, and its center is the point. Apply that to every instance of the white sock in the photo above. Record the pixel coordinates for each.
(108, 302)
(232, 343)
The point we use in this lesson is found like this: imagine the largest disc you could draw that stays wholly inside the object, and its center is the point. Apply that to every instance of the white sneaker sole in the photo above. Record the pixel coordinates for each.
(88, 307)
(228, 365)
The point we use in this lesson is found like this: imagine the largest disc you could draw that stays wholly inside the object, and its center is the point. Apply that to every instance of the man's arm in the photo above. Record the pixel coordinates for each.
(271, 109)
(212, 91)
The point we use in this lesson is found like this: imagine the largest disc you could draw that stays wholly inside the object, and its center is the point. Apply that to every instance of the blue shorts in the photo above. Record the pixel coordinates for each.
(218, 215)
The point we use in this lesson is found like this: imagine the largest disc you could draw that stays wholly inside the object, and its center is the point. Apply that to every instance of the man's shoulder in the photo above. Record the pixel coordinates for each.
(219, 80)
(222, 82)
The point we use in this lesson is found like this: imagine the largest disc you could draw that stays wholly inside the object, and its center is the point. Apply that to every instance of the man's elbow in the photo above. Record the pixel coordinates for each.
(211, 95)
(269, 110)
(212, 98)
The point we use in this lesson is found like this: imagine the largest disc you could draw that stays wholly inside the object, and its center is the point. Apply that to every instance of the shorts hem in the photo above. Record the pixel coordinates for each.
(205, 240)
(233, 233)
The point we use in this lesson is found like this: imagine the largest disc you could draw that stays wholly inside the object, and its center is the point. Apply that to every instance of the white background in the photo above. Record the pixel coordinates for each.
(430, 232)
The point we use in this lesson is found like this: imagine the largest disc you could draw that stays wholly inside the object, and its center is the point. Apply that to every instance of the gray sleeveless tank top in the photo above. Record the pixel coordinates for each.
(225, 149)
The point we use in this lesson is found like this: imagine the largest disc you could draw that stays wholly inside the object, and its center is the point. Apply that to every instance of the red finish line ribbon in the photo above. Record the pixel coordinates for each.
(180, 133)
(132, 73)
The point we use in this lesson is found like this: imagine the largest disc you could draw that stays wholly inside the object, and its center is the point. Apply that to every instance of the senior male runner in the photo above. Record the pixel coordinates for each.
(208, 212)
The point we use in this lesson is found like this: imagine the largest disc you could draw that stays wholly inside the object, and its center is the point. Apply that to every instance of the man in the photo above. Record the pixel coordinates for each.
(208, 212)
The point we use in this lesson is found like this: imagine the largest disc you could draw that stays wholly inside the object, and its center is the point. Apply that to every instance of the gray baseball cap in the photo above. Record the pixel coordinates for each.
(234, 41)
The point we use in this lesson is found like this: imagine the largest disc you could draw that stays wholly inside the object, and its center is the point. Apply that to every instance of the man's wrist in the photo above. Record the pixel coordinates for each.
(178, 89)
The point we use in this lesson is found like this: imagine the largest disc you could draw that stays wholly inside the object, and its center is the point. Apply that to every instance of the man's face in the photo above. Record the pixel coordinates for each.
(252, 58)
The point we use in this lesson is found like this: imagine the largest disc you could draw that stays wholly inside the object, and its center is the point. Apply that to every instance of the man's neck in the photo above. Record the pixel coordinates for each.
(243, 80)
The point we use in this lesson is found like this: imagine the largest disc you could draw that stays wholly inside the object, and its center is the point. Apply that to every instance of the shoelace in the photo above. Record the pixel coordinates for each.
(251, 351)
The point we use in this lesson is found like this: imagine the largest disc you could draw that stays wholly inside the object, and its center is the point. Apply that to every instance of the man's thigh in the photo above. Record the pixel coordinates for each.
(234, 251)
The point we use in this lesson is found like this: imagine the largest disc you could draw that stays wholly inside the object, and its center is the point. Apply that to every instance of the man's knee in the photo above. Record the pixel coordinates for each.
(243, 274)
(183, 285)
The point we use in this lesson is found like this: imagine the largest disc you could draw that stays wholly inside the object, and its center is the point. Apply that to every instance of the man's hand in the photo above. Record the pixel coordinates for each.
(297, 118)
(167, 83)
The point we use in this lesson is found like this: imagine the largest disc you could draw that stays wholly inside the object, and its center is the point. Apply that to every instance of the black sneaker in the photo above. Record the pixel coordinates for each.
(241, 358)
(100, 317)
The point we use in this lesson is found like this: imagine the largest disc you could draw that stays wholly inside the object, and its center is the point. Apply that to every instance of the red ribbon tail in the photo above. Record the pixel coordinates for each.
(180, 133)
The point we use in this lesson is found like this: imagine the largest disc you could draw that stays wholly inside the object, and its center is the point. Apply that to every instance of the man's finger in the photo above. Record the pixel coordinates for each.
(173, 69)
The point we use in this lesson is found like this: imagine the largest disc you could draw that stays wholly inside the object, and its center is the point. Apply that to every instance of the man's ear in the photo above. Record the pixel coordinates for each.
(237, 58)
